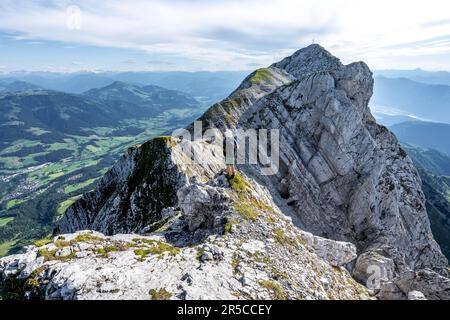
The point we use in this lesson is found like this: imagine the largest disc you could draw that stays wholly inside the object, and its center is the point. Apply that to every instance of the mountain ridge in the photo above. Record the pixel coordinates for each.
(148, 99)
(18, 86)
(426, 101)
(432, 135)
(70, 113)
(418, 75)
(54, 146)
(343, 179)
(209, 87)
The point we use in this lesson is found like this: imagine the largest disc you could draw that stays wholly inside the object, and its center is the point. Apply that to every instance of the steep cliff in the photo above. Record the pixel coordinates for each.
(341, 177)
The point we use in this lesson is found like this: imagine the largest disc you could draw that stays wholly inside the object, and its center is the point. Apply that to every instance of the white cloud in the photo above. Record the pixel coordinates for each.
(233, 34)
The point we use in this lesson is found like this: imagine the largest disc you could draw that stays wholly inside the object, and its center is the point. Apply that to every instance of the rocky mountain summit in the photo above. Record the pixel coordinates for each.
(343, 217)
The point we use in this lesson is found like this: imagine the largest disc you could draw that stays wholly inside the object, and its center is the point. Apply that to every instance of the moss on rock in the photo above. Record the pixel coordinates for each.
(238, 183)
(246, 210)
(260, 76)
(156, 248)
(160, 294)
(284, 239)
(42, 242)
(276, 291)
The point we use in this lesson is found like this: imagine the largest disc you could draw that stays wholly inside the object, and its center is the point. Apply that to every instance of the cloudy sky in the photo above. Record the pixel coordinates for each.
(220, 34)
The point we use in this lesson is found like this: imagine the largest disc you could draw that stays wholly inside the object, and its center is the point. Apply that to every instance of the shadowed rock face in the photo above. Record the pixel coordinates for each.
(131, 196)
(342, 176)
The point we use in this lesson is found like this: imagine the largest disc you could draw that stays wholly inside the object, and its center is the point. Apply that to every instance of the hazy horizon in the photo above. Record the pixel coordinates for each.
(4, 72)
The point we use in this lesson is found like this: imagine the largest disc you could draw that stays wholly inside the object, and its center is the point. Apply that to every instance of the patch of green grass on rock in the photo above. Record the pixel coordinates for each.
(86, 237)
(260, 76)
(275, 290)
(280, 274)
(246, 210)
(244, 202)
(235, 261)
(238, 183)
(50, 255)
(260, 257)
(42, 242)
(283, 239)
(229, 226)
(200, 253)
(155, 248)
(104, 252)
(161, 294)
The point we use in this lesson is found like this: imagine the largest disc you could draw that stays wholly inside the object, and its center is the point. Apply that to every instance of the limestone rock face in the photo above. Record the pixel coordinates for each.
(202, 206)
(344, 176)
(337, 253)
(346, 199)
(430, 283)
(132, 196)
(241, 256)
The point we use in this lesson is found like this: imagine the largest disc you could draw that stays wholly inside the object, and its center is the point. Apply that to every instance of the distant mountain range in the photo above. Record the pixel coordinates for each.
(427, 143)
(434, 170)
(207, 87)
(56, 113)
(424, 134)
(388, 117)
(404, 97)
(52, 112)
(15, 86)
(429, 159)
(141, 100)
(55, 145)
(418, 75)
(399, 95)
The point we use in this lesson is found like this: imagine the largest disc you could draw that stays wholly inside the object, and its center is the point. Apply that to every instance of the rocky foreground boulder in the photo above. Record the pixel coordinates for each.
(345, 204)
(252, 251)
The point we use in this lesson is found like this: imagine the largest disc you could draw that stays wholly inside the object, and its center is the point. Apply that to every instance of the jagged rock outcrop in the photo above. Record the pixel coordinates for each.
(203, 206)
(347, 176)
(133, 194)
(344, 180)
(342, 175)
(252, 252)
